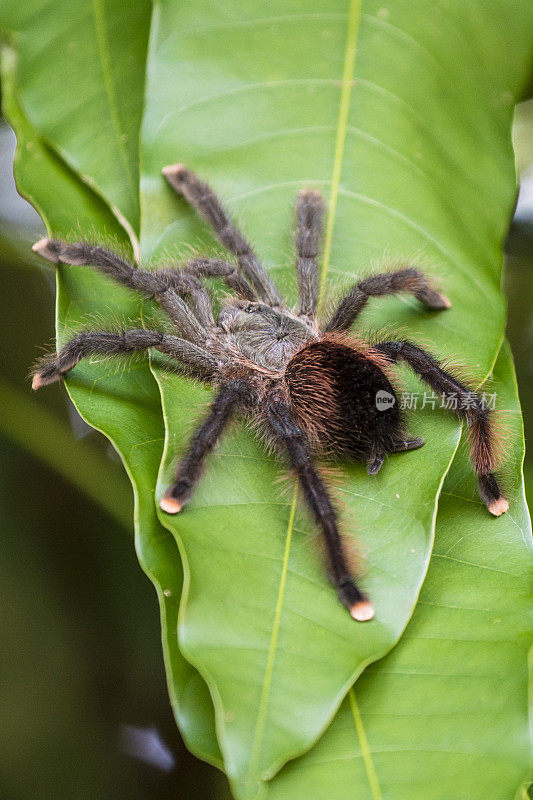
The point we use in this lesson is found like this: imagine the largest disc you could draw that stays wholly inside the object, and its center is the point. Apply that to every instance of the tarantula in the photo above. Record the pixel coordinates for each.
(312, 388)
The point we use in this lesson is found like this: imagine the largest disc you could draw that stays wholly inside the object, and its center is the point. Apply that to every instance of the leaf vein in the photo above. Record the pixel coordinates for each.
(269, 669)
(365, 749)
(101, 38)
(342, 126)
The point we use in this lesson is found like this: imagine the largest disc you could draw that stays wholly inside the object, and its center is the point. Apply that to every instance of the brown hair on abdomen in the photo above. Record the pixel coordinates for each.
(333, 385)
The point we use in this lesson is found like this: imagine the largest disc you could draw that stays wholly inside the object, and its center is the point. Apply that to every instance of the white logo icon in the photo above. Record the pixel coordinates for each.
(384, 400)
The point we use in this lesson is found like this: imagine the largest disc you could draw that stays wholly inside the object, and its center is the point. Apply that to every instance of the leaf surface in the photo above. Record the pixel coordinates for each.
(444, 715)
(122, 402)
(81, 68)
(401, 115)
(261, 104)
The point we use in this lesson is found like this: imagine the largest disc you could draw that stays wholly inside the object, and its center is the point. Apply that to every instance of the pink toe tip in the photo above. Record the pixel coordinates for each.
(41, 247)
(362, 611)
(446, 302)
(37, 381)
(170, 505)
(172, 170)
(499, 506)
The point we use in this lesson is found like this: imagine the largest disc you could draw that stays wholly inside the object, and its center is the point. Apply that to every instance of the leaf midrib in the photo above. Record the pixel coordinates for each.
(354, 17)
(269, 669)
(103, 52)
(365, 748)
(342, 129)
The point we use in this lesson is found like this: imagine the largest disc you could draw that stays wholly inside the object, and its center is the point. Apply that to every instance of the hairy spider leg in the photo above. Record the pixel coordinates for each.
(157, 283)
(375, 463)
(310, 215)
(316, 495)
(408, 445)
(470, 406)
(182, 316)
(214, 268)
(88, 343)
(402, 280)
(205, 201)
(190, 467)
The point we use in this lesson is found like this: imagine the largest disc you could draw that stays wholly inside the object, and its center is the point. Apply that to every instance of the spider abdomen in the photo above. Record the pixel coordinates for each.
(343, 399)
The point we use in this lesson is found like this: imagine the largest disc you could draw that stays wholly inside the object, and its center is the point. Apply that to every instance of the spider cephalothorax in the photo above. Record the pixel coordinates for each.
(311, 388)
(266, 336)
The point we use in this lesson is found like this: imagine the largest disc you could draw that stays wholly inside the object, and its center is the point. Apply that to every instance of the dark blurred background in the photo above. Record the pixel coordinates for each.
(85, 710)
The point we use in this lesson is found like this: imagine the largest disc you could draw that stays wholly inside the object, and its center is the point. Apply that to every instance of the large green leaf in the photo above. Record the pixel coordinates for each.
(81, 73)
(445, 714)
(262, 105)
(124, 404)
(402, 115)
